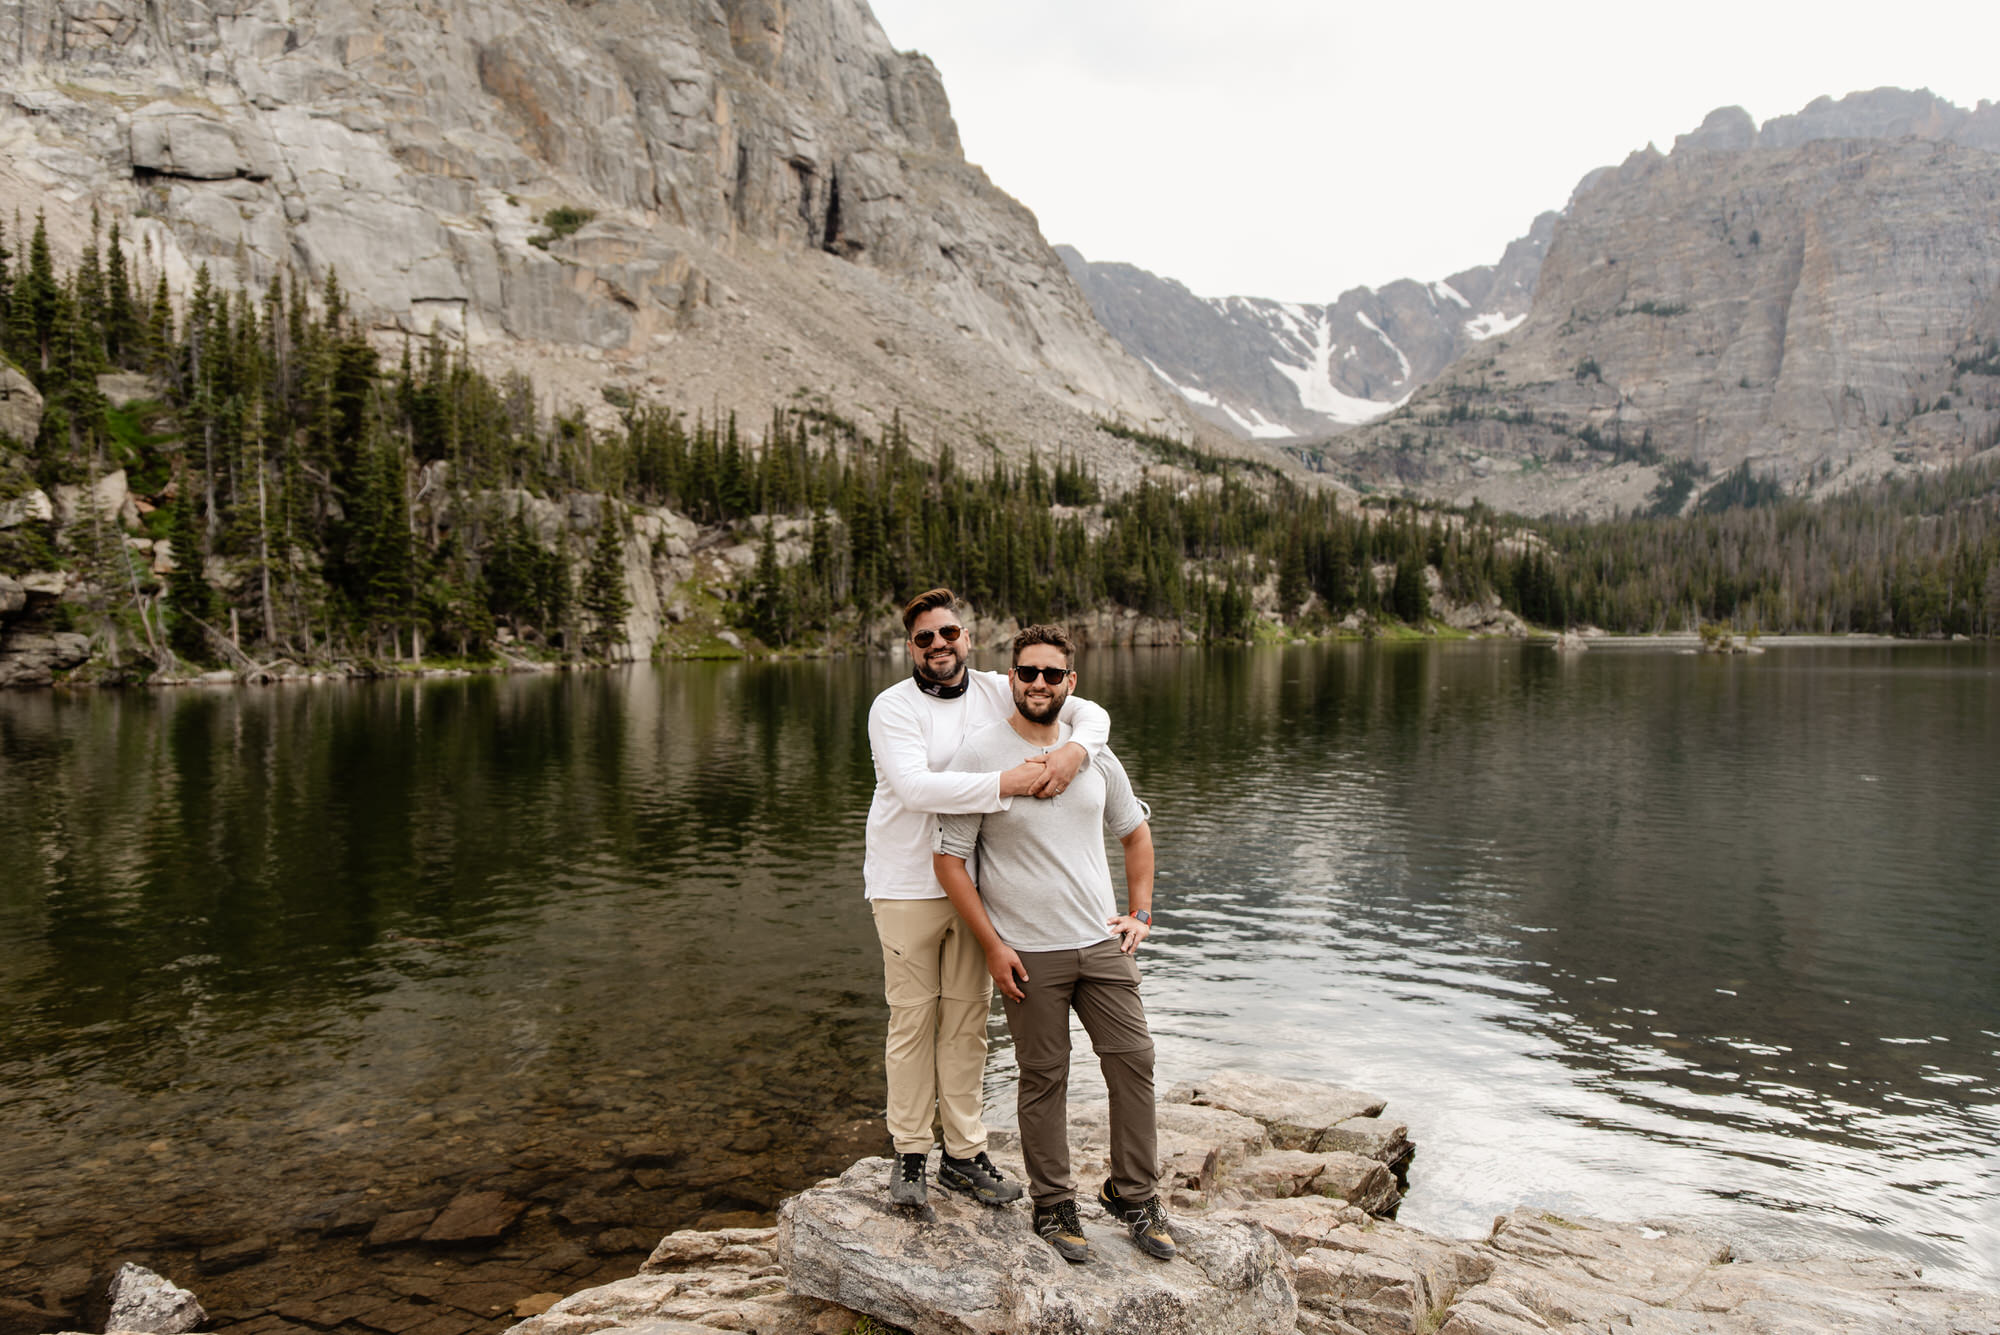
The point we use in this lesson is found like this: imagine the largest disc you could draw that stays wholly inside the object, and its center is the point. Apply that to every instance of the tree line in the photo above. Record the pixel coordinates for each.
(323, 500)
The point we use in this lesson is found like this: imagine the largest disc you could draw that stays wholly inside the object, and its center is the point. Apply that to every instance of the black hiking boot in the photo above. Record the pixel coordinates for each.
(906, 1181)
(1145, 1220)
(977, 1178)
(1062, 1230)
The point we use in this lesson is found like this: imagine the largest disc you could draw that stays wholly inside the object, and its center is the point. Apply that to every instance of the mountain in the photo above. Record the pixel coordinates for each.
(1815, 302)
(1280, 370)
(754, 202)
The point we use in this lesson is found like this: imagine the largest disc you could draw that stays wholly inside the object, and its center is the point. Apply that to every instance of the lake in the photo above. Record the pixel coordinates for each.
(1631, 932)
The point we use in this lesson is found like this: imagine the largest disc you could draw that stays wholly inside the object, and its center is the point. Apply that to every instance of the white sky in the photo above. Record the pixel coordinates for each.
(1296, 148)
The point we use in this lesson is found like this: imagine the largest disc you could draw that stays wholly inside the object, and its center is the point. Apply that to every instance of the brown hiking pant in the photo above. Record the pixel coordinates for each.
(1102, 983)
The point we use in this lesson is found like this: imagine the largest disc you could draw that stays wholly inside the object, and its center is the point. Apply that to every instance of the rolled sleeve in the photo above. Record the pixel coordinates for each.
(1123, 811)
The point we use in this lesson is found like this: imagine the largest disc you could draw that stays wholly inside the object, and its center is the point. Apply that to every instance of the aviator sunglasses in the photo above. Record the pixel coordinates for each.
(1052, 675)
(922, 638)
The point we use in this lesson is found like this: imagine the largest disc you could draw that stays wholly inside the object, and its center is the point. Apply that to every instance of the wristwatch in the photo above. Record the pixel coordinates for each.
(1143, 915)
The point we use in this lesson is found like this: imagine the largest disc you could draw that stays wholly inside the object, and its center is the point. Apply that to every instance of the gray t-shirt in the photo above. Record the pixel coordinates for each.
(1042, 871)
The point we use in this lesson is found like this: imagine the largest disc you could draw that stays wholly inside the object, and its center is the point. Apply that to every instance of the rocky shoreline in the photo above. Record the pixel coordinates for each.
(1283, 1194)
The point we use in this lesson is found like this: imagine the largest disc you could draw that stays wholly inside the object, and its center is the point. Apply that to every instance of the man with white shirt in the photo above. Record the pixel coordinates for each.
(933, 972)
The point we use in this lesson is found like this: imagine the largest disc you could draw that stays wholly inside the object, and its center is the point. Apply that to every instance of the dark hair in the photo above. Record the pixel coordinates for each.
(930, 600)
(1054, 635)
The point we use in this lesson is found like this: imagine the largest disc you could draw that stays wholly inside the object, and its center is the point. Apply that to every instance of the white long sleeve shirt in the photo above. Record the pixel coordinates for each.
(914, 736)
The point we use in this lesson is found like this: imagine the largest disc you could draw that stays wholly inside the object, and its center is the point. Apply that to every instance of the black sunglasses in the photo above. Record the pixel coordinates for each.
(922, 638)
(1053, 676)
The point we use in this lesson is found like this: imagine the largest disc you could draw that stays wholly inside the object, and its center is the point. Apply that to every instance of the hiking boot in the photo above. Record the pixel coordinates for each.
(1145, 1220)
(1062, 1230)
(906, 1181)
(977, 1178)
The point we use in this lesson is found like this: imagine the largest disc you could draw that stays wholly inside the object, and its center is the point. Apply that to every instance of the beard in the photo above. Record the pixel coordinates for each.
(941, 668)
(1044, 711)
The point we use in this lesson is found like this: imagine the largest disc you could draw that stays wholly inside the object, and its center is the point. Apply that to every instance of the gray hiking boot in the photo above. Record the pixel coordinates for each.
(977, 1178)
(1145, 1220)
(906, 1181)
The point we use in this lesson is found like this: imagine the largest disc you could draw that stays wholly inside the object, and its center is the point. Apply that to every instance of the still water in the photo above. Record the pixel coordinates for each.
(1630, 933)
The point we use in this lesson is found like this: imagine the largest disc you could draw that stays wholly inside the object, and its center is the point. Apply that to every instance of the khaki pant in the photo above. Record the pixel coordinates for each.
(1102, 983)
(934, 978)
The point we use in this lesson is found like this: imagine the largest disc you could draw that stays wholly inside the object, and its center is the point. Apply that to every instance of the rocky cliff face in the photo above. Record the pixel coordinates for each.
(1820, 306)
(1280, 370)
(780, 202)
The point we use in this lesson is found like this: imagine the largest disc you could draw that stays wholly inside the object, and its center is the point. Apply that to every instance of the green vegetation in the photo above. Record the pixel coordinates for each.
(324, 503)
(561, 221)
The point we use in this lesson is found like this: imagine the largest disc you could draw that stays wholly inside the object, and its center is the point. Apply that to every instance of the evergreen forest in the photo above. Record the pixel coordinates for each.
(326, 502)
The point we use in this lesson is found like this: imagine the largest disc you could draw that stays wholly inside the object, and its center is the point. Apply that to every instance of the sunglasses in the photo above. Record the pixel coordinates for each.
(922, 638)
(1053, 676)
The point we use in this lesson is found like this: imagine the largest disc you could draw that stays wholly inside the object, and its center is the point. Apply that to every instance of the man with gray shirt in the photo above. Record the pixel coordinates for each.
(1054, 940)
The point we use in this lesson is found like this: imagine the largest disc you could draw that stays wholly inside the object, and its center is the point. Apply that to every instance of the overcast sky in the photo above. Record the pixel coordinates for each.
(1296, 148)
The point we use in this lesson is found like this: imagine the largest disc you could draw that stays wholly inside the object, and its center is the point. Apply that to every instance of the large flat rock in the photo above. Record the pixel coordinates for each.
(966, 1269)
(1296, 1114)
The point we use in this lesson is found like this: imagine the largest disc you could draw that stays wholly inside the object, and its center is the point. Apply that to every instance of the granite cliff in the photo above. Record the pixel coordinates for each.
(773, 200)
(1817, 300)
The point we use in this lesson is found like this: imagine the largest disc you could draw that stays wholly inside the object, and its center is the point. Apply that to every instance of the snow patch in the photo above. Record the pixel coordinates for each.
(1314, 382)
(1492, 324)
(1256, 425)
(1444, 291)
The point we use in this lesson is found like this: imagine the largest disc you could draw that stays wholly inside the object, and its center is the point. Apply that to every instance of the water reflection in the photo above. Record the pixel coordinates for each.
(1627, 933)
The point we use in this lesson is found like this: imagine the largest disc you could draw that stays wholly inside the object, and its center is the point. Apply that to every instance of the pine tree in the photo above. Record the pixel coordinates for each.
(604, 598)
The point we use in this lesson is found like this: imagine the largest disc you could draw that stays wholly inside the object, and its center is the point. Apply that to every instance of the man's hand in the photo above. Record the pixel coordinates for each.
(1130, 932)
(1062, 765)
(1021, 780)
(1005, 966)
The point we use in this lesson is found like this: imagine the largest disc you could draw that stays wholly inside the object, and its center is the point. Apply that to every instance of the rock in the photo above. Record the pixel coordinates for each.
(234, 1255)
(1384, 1279)
(123, 388)
(535, 1304)
(969, 1268)
(1348, 1177)
(28, 508)
(1197, 1144)
(1371, 1138)
(1295, 1113)
(398, 1227)
(691, 1248)
(107, 495)
(140, 1300)
(474, 1216)
(30, 658)
(1299, 1223)
(20, 408)
(13, 595)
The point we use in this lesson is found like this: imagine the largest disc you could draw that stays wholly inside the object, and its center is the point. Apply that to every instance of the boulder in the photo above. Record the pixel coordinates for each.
(29, 658)
(108, 496)
(961, 1268)
(1198, 1145)
(143, 1301)
(1295, 1113)
(13, 595)
(1333, 1173)
(29, 508)
(1371, 1138)
(20, 406)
